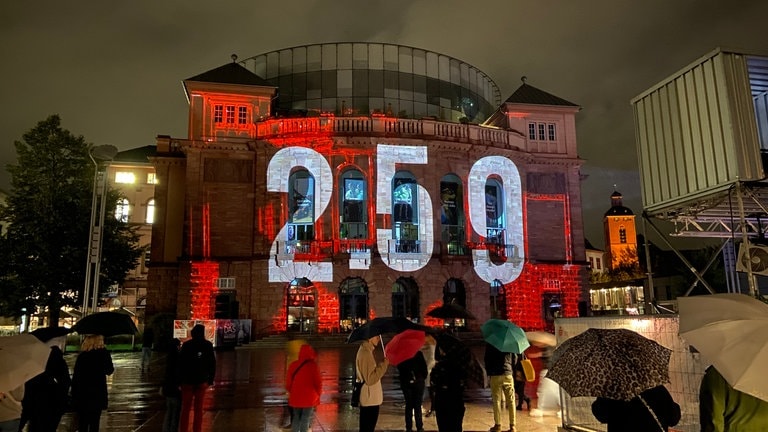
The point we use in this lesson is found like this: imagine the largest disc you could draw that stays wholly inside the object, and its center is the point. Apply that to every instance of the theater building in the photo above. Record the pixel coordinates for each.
(324, 185)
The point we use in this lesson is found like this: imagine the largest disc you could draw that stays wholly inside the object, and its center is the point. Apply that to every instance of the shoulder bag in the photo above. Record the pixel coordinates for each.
(357, 387)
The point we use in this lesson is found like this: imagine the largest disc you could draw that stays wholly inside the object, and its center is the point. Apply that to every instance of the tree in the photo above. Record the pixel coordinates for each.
(48, 212)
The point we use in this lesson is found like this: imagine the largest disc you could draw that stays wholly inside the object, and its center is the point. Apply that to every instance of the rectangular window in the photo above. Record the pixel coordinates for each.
(242, 115)
(226, 283)
(551, 130)
(542, 135)
(230, 114)
(151, 178)
(125, 177)
(531, 131)
(599, 263)
(218, 113)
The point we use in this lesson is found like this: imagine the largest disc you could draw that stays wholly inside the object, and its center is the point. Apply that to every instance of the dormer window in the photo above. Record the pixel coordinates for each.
(231, 115)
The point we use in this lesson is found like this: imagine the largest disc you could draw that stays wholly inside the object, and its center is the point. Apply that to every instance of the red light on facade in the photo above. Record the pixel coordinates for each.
(203, 289)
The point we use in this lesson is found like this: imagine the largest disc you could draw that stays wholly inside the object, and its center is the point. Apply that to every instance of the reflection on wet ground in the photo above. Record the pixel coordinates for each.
(248, 395)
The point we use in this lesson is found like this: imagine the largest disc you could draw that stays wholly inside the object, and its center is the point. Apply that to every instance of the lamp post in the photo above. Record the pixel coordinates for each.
(98, 154)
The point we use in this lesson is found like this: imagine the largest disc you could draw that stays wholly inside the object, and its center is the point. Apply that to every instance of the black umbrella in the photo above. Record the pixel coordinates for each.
(381, 325)
(451, 348)
(451, 311)
(44, 334)
(106, 324)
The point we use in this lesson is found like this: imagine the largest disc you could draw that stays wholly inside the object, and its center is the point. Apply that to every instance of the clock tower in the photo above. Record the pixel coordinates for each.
(620, 234)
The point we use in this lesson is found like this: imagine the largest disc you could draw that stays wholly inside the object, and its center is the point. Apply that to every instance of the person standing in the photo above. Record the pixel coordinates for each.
(500, 367)
(428, 350)
(520, 380)
(10, 409)
(292, 348)
(197, 369)
(448, 379)
(652, 410)
(147, 342)
(89, 382)
(45, 396)
(172, 388)
(372, 394)
(304, 387)
(723, 408)
(413, 372)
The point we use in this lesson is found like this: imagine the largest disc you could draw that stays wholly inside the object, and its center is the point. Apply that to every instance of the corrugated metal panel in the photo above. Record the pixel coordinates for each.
(697, 132)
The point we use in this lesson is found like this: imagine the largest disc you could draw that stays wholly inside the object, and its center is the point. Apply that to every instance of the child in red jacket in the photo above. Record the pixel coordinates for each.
(304, 387)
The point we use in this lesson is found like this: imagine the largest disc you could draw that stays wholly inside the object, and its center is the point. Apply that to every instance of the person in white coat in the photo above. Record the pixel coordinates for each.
(371, 372)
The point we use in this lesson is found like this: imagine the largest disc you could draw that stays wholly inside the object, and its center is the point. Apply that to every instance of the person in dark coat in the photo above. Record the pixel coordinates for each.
(147, 342)
(413, 372)
(45, 396)
(172, 389)
(448, 381)
(652, 410)
(197, 368)
(520, 381)
(89, 382)
(304, 386)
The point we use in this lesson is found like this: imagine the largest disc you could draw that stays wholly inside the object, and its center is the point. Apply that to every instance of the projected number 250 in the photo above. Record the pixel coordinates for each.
(507, 214)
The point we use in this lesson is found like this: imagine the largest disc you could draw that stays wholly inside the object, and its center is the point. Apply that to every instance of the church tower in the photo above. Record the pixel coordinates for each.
(620, 233)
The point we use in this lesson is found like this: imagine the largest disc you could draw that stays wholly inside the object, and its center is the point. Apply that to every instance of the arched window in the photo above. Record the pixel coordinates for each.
(150, 211)
(301, 201)
(353, 208)
(494, 212)
(123, 209)
(405, 299)
(353, 304)
(454, 292)
(622, 234)
(452, 214)
(302, 302)
(405, 217)
(498, 300)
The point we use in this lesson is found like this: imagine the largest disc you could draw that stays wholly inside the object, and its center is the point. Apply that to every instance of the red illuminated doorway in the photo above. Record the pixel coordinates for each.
(353, 304)
(302, 301)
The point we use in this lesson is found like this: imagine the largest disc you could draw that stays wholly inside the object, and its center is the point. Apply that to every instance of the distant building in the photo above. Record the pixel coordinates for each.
(132, 174)
(620, 233)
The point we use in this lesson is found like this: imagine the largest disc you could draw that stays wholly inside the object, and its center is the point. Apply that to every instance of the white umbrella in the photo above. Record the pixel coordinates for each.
(541, 338)
(731, 331)
(21, 357)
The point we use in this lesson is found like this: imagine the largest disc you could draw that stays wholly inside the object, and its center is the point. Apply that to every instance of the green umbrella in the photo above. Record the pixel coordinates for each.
(505, 336)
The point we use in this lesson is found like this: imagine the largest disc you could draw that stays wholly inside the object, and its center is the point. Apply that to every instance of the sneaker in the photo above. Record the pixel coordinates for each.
(495, 428)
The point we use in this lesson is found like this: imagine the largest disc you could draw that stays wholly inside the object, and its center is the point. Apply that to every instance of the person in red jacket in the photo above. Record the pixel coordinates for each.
(304, 387)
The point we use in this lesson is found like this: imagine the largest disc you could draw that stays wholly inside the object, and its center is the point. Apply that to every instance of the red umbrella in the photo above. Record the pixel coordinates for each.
(404, 346)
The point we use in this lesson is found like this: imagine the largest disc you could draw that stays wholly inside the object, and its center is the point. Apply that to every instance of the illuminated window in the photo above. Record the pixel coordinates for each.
(354, 208)
(301, 305)
(494, 212)
(122, 210)
(146, 260)
(218, 113)
(125, 177)
(622, 234)
(404, 213)
(452, 215)
(230, 114)
(242, 115)
(151, 178)
(150, 211)
(301, 196)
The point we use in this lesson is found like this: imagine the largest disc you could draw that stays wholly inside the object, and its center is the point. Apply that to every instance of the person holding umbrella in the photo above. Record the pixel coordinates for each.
(654, 409)
(500, 367)
(45, 396)
(370, 372)
(89, 382)
(10, 409)
(413, 372)
(723, 408)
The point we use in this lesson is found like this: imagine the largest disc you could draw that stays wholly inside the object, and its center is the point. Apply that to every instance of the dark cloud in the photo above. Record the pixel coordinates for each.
(113, 70)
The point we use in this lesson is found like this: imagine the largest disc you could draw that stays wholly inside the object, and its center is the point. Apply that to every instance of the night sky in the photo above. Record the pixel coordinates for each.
(113, 70)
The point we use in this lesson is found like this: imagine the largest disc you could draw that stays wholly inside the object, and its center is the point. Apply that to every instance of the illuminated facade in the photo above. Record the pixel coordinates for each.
(321, 186)
(620, 233)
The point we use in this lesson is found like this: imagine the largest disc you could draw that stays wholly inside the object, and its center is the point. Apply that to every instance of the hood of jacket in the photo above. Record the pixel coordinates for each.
(306, 352)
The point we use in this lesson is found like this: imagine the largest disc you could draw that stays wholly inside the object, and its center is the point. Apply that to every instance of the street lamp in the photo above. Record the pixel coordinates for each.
(98, 154)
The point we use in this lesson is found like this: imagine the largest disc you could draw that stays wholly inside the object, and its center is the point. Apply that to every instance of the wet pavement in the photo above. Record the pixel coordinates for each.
(248, 395)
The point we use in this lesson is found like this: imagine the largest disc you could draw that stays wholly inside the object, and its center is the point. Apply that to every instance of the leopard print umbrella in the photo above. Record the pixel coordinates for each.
(610, 363)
